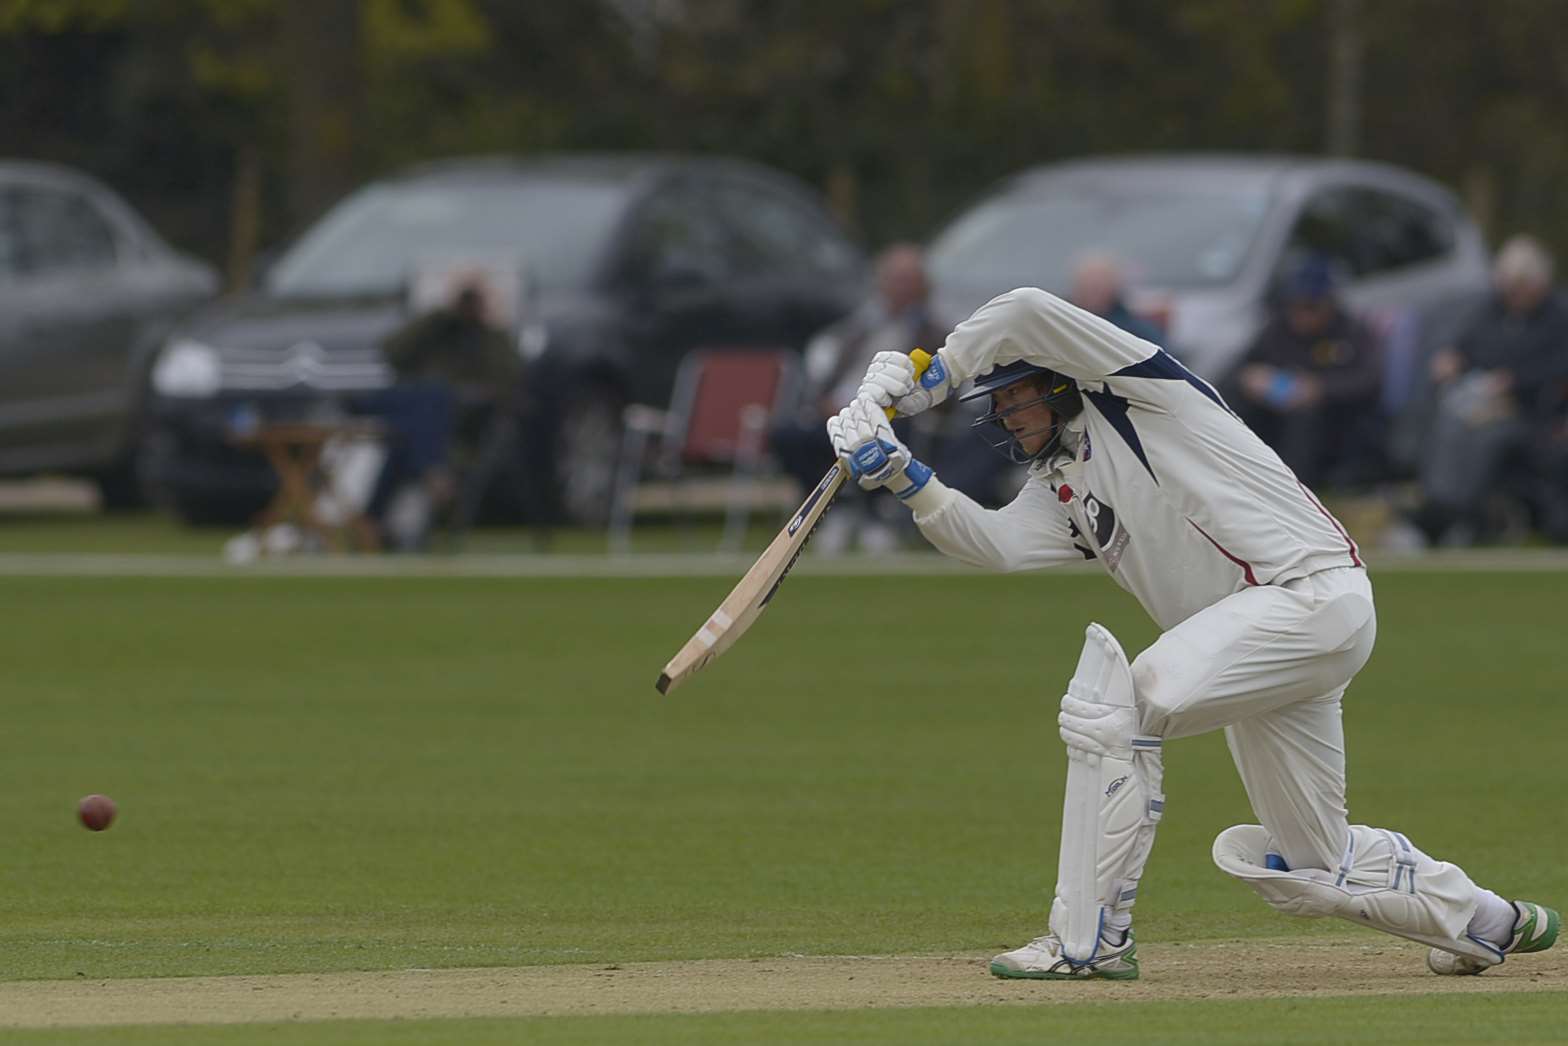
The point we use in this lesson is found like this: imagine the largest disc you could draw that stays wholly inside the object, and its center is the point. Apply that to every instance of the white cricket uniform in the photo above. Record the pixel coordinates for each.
(1265, 605)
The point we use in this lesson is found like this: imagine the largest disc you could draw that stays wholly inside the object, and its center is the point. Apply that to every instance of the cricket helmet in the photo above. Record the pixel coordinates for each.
(1058, 392)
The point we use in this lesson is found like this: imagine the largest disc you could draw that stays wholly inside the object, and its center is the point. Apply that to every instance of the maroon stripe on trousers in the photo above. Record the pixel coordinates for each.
(1355, 558)
(1246, 568)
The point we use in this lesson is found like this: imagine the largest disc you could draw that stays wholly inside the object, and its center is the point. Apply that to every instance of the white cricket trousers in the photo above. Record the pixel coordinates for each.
(1270, 665)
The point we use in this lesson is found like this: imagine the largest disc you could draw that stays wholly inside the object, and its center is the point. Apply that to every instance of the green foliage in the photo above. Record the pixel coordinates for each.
(902, 111)
(54, 16)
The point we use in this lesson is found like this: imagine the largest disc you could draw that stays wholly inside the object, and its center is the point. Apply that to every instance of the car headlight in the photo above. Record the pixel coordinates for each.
(186, 368)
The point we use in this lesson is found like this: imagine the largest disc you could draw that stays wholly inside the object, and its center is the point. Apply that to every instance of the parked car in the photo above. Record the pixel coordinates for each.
(87, 292)
(631, 261)
(1204, 238)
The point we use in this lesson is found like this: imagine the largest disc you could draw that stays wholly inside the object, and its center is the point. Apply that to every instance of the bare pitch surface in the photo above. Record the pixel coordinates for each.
(1213, 970)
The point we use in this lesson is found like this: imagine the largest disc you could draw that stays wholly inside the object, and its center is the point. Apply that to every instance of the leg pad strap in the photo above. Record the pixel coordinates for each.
(1381, 881)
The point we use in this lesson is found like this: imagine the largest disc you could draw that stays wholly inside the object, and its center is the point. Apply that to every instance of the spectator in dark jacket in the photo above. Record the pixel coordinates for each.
(1310, 382)
(1500, 391)
(897, 318)
(1516, 342)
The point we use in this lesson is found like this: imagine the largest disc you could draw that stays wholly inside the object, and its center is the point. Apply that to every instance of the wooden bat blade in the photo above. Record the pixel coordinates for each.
(751, 595)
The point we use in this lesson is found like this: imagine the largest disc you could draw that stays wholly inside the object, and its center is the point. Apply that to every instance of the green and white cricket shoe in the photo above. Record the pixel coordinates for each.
(1535, 930)
(1042, 960)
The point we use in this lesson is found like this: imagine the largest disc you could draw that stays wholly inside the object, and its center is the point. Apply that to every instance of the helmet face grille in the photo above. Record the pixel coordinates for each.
(1058, 393)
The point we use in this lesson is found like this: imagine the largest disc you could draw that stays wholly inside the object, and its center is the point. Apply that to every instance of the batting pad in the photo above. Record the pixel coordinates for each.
(1382, 881)
(1113, 799)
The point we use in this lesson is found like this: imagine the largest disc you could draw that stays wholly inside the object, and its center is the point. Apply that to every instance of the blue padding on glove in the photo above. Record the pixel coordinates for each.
(871, 459)
(868, 459)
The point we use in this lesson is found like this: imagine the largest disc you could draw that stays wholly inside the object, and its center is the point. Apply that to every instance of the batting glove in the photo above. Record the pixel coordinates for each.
(891, 381)
(874, 455)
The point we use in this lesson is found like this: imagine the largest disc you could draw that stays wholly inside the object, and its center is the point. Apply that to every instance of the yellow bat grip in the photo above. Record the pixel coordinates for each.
(922, 360)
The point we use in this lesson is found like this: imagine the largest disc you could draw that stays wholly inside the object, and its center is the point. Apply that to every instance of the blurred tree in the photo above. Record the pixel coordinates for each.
(319, 44)
(1473, 93)
(232, 122)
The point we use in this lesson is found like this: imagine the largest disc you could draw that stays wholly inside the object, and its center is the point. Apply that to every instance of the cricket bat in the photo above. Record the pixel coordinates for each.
(752, 594)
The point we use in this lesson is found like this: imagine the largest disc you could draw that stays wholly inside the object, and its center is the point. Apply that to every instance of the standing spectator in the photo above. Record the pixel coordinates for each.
(1098, 286)
(896, 319)
(1310, 383)
(1499, 387)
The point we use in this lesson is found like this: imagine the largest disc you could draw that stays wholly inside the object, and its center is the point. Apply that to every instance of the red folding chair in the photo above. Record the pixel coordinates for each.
(721, 409)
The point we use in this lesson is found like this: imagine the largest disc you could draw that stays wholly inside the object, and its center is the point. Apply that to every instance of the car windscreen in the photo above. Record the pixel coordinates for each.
(1174, 238)
(379, 238)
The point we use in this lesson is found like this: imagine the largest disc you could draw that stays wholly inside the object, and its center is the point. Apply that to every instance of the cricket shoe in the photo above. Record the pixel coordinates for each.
(1042, 960)
(1535, 930)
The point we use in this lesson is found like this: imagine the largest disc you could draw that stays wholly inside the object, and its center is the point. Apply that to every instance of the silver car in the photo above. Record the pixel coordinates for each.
(87, 293)
(1203, 239)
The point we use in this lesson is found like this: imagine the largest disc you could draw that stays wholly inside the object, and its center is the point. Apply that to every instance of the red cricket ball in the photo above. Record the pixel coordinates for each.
(96, 812)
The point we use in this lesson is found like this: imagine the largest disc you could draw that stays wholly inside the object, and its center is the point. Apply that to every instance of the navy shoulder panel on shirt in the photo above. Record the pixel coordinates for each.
(1114, 409)
(1162, 366)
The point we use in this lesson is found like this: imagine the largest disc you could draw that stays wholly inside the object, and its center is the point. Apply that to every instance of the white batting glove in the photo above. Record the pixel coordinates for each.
(874, 455)
(891, 381)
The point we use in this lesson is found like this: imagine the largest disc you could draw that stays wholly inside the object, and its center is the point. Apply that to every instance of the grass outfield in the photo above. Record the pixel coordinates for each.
(335, 774)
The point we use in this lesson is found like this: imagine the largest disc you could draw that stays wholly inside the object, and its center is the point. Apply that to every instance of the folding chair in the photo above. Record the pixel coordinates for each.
(721, 409)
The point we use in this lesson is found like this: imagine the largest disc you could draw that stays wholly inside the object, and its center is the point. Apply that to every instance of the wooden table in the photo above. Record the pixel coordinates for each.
(294, 450)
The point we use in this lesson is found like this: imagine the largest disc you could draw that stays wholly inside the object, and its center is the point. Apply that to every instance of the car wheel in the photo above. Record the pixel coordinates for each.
(588, 446)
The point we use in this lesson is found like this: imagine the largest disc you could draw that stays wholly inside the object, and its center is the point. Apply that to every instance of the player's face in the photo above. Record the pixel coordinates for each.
(1025, 416)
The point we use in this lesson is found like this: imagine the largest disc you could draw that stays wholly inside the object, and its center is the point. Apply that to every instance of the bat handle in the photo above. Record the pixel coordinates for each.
(922, 360)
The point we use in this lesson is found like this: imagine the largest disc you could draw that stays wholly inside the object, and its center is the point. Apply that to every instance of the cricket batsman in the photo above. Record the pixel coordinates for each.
(1266, 613)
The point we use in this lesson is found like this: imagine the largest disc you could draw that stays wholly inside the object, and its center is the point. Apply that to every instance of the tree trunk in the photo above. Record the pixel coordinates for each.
(244, 215)
(324, 92)
(1346, 47)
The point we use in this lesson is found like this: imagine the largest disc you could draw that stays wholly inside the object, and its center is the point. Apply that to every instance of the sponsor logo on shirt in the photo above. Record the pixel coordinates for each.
(1077, 535)
(1111, 538)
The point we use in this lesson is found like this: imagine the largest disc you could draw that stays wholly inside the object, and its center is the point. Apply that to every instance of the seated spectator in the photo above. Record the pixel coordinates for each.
(896, 319)
(1499, 391)
(1098, 286)
(454, 368)
(1309, 384)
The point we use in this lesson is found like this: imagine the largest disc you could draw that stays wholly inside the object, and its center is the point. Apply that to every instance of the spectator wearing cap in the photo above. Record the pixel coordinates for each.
(1500, 395)
(1309, 383)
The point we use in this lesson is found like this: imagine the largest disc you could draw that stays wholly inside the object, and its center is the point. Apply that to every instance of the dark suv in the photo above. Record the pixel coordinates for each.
(87, 293)
(630, 262)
